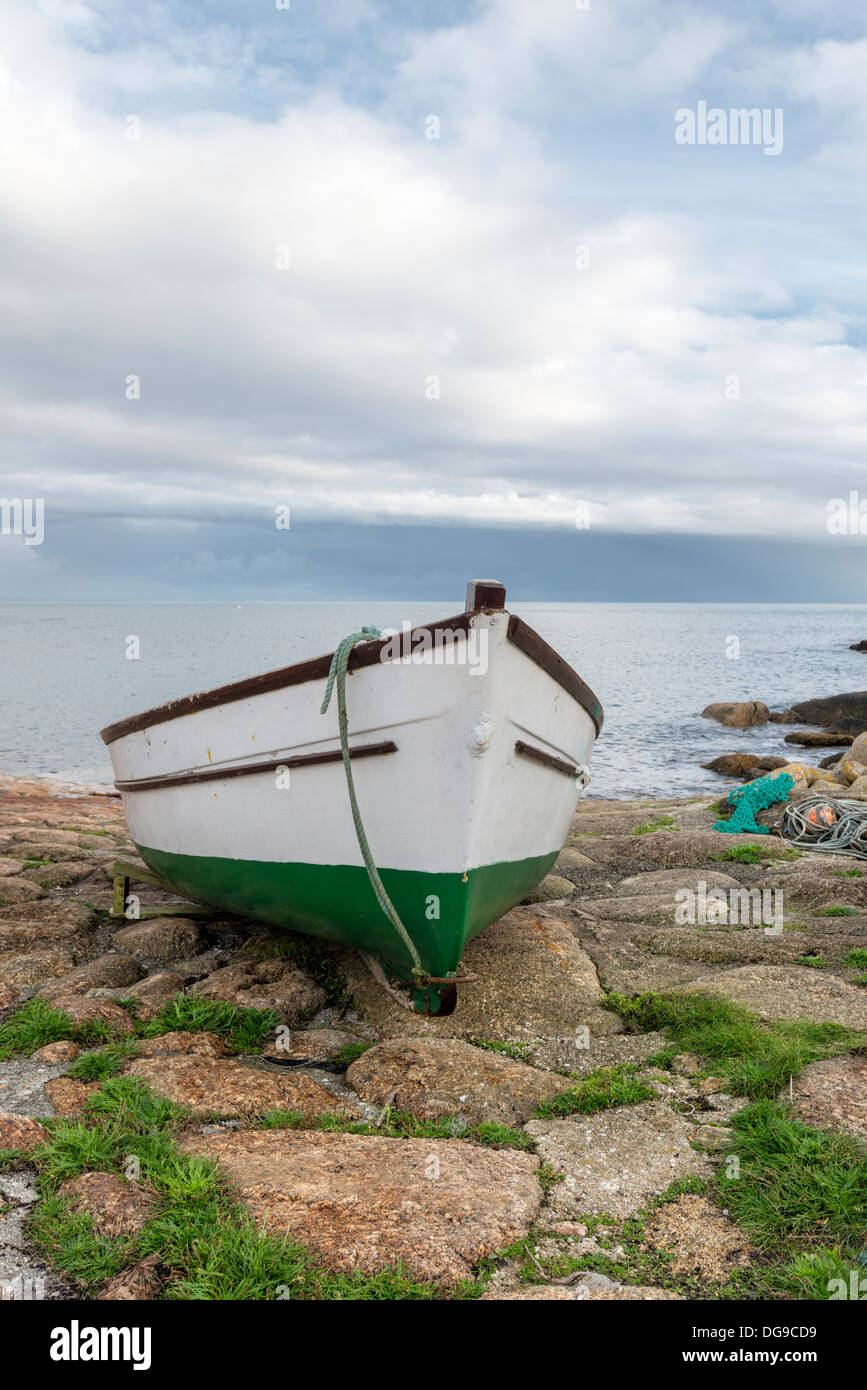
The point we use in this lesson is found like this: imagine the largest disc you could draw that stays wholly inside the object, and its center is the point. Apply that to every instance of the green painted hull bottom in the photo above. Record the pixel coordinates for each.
(441, 912)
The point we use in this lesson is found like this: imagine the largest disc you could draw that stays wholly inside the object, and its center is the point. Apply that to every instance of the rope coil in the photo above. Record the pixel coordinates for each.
(846, 835)
(337, 675)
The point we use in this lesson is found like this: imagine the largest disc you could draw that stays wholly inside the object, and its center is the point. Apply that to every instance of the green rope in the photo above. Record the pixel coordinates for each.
(339, 663)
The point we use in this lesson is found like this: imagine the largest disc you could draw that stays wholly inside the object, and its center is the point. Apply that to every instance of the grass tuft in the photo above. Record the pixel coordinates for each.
(800, 1193)
(755, 854)
(245, 1030)
(663, 823)
(37, 1022)
(518, 1051)
(757, 1058)
(599, 1090)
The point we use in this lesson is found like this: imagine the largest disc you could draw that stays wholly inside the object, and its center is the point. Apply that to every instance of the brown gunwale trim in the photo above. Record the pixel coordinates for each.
(540, 756)
(219, 774)
(317, 668)
(536, 648)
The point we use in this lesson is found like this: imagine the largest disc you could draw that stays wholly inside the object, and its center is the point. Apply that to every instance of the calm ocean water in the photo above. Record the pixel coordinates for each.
(64, 675)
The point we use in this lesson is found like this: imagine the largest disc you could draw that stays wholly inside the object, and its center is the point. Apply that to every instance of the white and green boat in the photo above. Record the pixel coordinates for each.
(468, 743)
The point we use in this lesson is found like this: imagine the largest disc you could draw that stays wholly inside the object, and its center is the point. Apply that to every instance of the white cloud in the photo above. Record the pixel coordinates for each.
(410, 260)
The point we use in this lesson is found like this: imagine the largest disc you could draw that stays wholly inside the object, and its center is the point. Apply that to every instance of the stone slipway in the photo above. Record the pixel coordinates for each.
(364, 1202)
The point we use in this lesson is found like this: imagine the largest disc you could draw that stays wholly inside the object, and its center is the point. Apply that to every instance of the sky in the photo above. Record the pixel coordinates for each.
(342, 299)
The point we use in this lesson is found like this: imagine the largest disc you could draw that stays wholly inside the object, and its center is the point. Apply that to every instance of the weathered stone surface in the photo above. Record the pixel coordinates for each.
(22, 972)
(54, 918)
(308, 1044)
(432, 1077)
(61, 875)
(8, 997)
(550, 889)
(115, 1206)
(364, 1201)
(614, 1160)
(534, 982)
(34, 835)
(664, 849)
(55, 851)
(162, 938)
(163, 984)
(80, 1009)
(571, 860)
(634, 907)
(19, 890)
(811, 883)
(56, 1052)
(668, 882)
(746, 766)
(788, 991)
(199, 967)
(67, 1096)
(815, 739)
(725, 945)
(9, 868)
(712, 1137)
(182, 1044)
(20, 1132)
(138, 1284)
(847, 712)
(25, 938)
(106, 972)
(624, 964)
(225, 1087)
(266, 984)
(832, 1094)
(601, 1052)
(739, 714)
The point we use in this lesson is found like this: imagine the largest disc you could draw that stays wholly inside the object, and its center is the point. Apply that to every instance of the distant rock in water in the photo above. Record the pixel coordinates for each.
(826, 738)
(738, 714)
(743, 765)
(841, 714)
(859, 646)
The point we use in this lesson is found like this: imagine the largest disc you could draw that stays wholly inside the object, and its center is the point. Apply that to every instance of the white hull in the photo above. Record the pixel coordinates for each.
(454, 796)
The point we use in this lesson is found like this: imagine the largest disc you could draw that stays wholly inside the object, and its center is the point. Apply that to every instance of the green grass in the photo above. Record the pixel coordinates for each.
(847, 873)
(663, 823)
(599, 1090)
(245, 1030)
(856, 958)
(103, 1062)
(519, 1052)
(208, 1244)
(812, 962)
(757, 1058)
(36, 1022)
(397, 1124)
(800, 1194)
(754, 854)
(837, 910)
(350, 1052)
(811, 1274)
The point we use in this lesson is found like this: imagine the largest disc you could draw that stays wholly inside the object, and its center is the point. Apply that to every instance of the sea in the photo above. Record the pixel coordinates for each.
(66, 670)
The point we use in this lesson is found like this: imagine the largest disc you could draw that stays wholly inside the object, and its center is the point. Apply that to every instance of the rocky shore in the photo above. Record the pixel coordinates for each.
(197, 1106)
